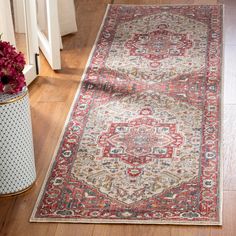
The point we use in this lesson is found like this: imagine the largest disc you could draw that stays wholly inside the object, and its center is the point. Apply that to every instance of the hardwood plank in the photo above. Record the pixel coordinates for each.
(130, 230)
(229, 209)
(229, 22)
(74, 229)
(6, 207)
(190, 231)
(16, 221)
(229, 147)
(229, 74)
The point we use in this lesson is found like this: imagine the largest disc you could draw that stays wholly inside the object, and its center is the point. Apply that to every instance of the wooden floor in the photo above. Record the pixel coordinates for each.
(51, 95)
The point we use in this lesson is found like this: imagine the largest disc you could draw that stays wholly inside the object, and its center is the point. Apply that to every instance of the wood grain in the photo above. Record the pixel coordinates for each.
(190, 231)
(229, 147)
(131, 230)
(229, 209)
(51, 95)
(230, 73)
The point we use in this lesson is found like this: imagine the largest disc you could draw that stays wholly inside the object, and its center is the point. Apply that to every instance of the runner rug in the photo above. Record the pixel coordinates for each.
(142, 141)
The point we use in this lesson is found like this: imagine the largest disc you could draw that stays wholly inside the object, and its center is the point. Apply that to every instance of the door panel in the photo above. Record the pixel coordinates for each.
(48, 31)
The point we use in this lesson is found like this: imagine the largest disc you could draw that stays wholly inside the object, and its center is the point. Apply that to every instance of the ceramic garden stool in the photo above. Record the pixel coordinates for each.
(17, 166)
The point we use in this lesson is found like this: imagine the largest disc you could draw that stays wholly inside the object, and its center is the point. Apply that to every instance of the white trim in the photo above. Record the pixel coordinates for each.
(30, 73)
(51, 46)
(19, 20)
(44, 45)
(67, 17)
(6, 22)
(31, 39)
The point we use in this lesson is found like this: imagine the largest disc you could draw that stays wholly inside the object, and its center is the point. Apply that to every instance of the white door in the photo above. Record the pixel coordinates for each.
(25, 39)
(49, 32)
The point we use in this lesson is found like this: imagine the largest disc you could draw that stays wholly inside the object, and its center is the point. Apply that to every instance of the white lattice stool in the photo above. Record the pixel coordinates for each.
(17, 167)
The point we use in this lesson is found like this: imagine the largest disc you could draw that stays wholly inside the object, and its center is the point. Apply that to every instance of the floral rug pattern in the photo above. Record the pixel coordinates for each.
(142, 142)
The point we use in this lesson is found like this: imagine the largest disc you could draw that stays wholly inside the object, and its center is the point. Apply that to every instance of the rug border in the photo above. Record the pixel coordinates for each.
(34, 219)
(115, 222)
(221, 153)
(163, 4)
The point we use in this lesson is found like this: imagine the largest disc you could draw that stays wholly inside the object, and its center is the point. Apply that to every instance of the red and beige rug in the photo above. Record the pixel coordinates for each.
(142, 141)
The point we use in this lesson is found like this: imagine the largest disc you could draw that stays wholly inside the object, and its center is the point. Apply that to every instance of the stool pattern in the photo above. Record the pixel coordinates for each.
(17, 168)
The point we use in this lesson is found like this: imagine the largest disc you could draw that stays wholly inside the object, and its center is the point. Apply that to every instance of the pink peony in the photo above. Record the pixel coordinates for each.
(12, 63)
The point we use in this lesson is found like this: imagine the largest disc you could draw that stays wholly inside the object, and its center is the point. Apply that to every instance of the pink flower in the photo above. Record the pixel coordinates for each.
(12, 63)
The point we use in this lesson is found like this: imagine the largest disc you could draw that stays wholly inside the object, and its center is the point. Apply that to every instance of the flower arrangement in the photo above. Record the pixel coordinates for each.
(12, 63)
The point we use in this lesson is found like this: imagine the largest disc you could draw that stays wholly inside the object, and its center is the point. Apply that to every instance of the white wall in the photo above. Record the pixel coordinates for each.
(66, 12)
(6, 23)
